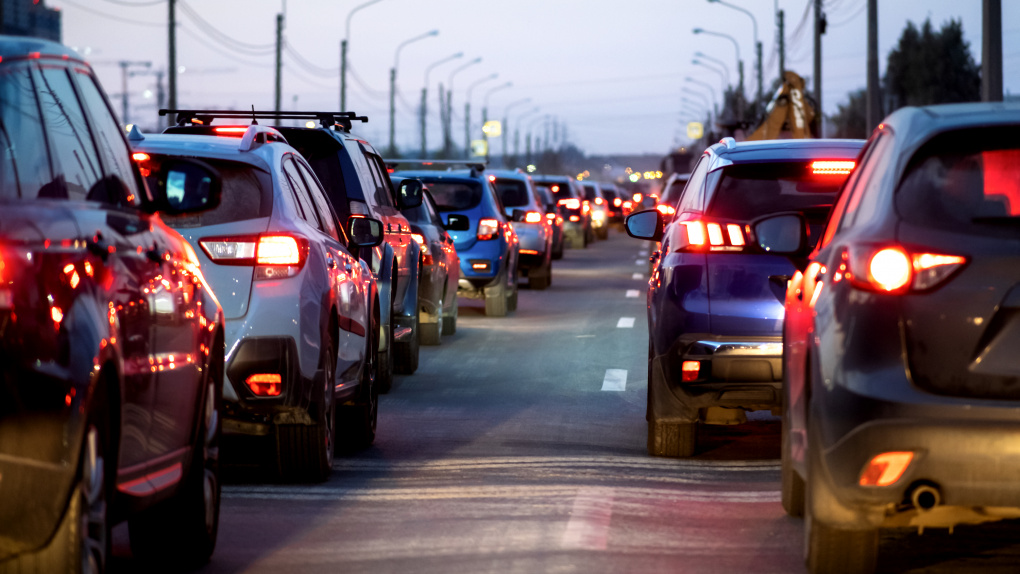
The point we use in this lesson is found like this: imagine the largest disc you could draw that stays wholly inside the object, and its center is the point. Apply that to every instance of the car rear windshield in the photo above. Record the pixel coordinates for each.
(967, 181)
(247, 193)
(454, 194)
(560, 190)
(512, 192)
(749, 191)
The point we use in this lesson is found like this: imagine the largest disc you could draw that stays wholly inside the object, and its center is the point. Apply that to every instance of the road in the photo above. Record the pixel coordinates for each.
(519, 446)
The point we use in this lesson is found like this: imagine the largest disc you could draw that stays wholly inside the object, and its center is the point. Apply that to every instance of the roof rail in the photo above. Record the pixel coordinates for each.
(205, 117)
(729, 142)
(259, 135)
(476, 166)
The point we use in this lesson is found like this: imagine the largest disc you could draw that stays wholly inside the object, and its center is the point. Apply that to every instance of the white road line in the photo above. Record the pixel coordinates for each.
(632, 293)
(588, 527)
(625, 323)
(616, 380)
(640, 262)
(637, 276)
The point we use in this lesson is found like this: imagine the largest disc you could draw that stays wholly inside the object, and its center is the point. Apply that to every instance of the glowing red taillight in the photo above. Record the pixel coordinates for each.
(599, 201)
(418, 238)
(617, 202)
(585, 206)
(550, 216)
(886, 468)
(274, 256)
(265, 384)
(690, 370)
(712, 235)
(278, 250)
(841, 167)
(487, 229)
(230, 131)
(894, 269)
(533, 217)
(571, 203)
(637, 198)
(140, 156)
(665, 209)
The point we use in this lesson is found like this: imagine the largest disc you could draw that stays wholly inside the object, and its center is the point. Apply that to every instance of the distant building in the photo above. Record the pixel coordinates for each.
(29, 18)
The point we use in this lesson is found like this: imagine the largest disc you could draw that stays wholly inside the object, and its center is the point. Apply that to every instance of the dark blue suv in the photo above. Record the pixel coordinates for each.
(715, 299)
(481, 231)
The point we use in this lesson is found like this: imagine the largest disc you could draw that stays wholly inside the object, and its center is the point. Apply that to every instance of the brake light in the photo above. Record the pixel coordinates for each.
(419, 238)
(599, 201)
(140, 156)
(230, 131)
(893, 269)
(571, 203)
(575, 218)
(492, 178)
(832, 167)
(689, 371)
(886, 468)
(265, 384)
(712, 235)
(585, 206)
(617, 202)
(735, 234)
(637, 198)
(550, 216)
(277, 250)
(665, 209)
(533, 217)
(555, 188)
(487, 229)
(627, 205)
(273, 256)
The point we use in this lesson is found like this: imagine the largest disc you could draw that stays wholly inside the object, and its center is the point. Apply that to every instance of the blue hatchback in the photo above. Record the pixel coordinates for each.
(715, 299)
(482, 234)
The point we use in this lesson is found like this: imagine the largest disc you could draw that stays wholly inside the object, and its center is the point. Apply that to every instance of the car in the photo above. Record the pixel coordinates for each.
(356, 183)
(482, 233)
(715, 299)
(554, 213)
(901, 374)
(599, 208)
(440, 272)
(301, 311)
(614, 202)
(527, 211)
(672, 189)
(577, 218)
(110, 337)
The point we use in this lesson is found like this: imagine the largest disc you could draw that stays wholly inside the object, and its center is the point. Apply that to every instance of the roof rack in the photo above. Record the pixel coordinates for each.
(205, 117)
(474, 165)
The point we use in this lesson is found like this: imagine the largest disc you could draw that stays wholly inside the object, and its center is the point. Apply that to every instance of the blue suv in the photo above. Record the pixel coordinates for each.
(715, 299)
(482, 233)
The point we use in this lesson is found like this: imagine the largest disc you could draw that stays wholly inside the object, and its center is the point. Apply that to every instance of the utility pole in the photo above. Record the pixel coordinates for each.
(467, 125)
(874, 107)
(819, 30)
(757, 48)
(424, 96)
(279, 59)
(991, 51)
(782, 45)
(172, 63)
(160, 97)
(124, 65)
(393, 115)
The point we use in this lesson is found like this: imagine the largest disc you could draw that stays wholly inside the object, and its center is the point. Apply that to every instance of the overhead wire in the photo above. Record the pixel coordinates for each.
(136, 4)
(222, 38)
(112, 17)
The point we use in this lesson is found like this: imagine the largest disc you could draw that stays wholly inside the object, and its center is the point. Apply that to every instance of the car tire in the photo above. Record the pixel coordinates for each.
(450, 321)
(792, 494)
(496, 299)
(358, 422)
(305, 452)
(405, 360)
(182, 530)
(432, 333)
(674, 440)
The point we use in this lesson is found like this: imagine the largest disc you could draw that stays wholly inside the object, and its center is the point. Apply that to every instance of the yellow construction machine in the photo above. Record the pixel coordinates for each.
(789, 114)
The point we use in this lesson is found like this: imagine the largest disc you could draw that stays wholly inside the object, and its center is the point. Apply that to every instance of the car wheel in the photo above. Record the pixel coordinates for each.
(359, 420)
(432, 333)
(183, 529)
(674, 440)
(496, 299)
(450, 321)
(305, 452)
(792, 485)
(406, 354)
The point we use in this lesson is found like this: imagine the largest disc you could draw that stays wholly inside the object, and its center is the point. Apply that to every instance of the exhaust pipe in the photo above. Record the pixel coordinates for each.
(925, 497)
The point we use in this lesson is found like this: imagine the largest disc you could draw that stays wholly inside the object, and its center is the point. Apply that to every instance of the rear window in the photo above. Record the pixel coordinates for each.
(589, 192)
(454, 195)
(559, 190)
(672, 194)
(966, 181)
(247, 193)
(749, 191)
(512, 192)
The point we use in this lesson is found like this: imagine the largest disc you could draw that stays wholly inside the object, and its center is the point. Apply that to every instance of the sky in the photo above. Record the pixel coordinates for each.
(614, 74)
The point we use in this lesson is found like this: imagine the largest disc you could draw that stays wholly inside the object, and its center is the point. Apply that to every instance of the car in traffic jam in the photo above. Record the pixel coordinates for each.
(477, 325)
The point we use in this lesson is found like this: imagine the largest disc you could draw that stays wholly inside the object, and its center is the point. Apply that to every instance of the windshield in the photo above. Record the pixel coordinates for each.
(454, 195)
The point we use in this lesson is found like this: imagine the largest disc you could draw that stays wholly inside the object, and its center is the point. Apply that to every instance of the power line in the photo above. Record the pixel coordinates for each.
(202, 41)
(221, 38)
(112, 17)
(136, 4)
(307, 65)
(364, 86)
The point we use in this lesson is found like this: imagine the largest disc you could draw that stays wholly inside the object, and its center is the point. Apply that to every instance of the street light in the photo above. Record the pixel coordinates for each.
(707, 86)
(757, 42)
(506, 125)
(722, 65)
(723, 74)
(393, 85)
(424, 97)
(467, 108)
(736, 46)
(447, 139)
(343, 54)
(485, 113)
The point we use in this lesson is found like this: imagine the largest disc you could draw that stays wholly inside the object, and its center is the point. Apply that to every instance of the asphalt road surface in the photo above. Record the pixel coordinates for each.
(519, 447)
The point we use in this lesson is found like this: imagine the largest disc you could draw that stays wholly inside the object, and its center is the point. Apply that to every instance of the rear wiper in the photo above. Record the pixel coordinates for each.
(997, 220)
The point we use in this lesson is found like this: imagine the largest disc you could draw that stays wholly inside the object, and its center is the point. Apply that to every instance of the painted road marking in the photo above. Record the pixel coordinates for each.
(685, 466)
(637, 276)
(616, 380)
(640, 262)
(588, 527)
(625, 323)
(632, 293)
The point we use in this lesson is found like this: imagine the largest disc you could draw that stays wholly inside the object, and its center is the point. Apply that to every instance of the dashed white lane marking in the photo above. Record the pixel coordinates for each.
(640, 262)
(643, 253)
(625, 323)
(637, 276)
(632, 293)
(616, 380)
(588, 528)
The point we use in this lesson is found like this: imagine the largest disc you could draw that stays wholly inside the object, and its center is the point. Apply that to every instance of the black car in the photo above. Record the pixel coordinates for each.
(111, 343)
(902, 394)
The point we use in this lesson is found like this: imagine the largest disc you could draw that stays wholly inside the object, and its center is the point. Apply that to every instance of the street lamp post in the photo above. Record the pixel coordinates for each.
(467, 110)
(736, 46)
(485, 114)
(717, 62)
(424, 98)
(517, 134)
(506, 125)
(343, 54)
(723, 74)
(393, 86)
(447, 136)
(757, 42)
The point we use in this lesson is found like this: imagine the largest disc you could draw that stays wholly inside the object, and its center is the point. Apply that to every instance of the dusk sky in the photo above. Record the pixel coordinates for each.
(612, 72)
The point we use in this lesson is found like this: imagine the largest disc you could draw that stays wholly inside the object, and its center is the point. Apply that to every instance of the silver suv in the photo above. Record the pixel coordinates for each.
(525, 207)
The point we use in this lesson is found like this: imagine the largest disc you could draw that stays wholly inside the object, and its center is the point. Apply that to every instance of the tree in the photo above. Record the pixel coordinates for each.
(931, 67)
(851, 119)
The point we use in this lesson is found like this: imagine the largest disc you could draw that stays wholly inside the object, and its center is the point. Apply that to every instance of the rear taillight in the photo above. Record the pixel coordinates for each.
(665, 209)
(230, 131)
(418, 238)
(599, 201)
(617, 202)
(571, 203)
(711, 236)
(894, 269)
(274, 256)
(140, 156)
(585, 206)
(550, 216)
(487, 229)
(533, 217)
(886, 468)
(840, 167)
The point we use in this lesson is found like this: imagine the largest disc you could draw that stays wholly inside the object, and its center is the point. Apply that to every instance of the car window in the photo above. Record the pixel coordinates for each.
(384, 187)
(749, 191)
(512, 192)
(110, 140)
(246, 193)
(433, 211)
(24, 159)
(690, 200)
(319, 199)
(864, 201)
(368, 183)
(75, 161)
(301, 195)
(455, 195)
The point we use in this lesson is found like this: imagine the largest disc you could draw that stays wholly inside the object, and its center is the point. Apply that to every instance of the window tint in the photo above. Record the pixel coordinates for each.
(384, 190)
(690, 200)
(365, 177)
(303, 200)
(24, 159)
(455, 195)
(673, 192)
(110, 141)
(247, 193)
(749, 191)
(513, 192)
(74, 155)
(320, 201)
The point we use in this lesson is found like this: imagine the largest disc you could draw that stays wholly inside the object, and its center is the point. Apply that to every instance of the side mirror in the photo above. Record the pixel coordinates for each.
(457, 222)
(410, 193)
(518, 215)
(782, 234)
(364, 231)
(645, 225)
(186, 186)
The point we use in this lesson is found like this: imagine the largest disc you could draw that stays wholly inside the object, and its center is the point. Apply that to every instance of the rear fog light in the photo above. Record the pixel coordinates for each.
(886, 468)
(690, 370)
(265, 384)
